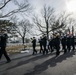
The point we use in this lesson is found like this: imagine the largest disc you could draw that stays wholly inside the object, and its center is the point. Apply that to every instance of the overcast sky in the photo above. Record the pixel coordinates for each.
(59, 5)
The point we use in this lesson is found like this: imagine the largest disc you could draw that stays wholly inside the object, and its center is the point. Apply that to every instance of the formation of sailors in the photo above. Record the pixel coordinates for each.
(55, 43)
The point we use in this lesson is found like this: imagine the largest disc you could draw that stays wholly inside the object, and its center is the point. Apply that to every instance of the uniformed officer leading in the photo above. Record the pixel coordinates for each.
(3, 41)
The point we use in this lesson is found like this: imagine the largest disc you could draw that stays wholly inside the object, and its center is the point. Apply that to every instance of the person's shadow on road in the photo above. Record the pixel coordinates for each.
(51, 62)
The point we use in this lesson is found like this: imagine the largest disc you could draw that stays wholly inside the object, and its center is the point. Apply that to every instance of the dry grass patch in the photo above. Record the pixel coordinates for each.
(14, 49)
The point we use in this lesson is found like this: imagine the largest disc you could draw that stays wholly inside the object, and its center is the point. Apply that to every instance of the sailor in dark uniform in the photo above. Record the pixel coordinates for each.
(73, 42)
(40, 41)
(57, 44)
(64, 42)
(3, 41)
(51, 44)
(34, 45)
(44, 40)
(68, 42)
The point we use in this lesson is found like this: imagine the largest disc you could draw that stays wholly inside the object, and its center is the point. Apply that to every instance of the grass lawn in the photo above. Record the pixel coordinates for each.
(14, 49)
(18, 48)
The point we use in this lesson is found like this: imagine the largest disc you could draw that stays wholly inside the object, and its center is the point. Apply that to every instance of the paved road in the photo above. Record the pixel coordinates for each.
(27, 64)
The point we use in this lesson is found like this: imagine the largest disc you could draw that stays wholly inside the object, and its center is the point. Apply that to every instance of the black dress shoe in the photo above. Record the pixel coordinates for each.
(36, 52)
(8, 61)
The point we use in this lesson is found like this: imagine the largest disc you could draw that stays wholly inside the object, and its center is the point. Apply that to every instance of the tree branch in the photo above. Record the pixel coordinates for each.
(5, 3)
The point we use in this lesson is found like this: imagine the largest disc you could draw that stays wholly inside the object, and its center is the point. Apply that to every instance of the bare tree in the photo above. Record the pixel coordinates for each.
(19, 7)
(49, 22)
(22, 27)
(45, 20)
(71, 25)
(60, 23)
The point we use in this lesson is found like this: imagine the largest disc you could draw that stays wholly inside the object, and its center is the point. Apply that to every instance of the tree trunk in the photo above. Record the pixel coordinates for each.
(47, 30)
(23, 42)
